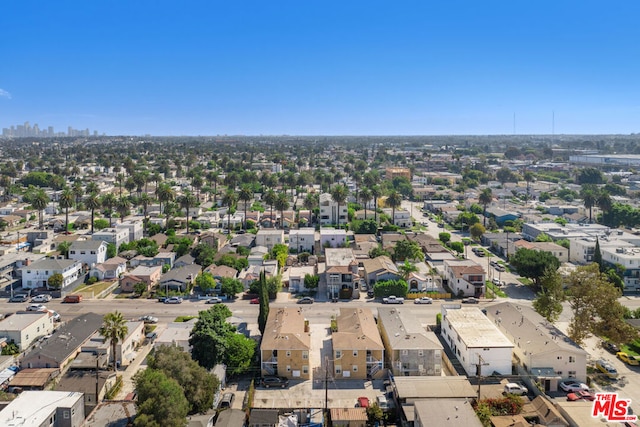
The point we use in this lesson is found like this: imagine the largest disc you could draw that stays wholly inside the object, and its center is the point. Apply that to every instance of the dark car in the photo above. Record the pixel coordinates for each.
(19, 298)
(610, 347)
(470, 300)
(274, 381)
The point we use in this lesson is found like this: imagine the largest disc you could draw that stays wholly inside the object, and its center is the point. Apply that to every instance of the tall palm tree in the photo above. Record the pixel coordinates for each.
(166, 194)
(485, 198)
(39, 203)
(376, 192)
(270, 198)
(108, 203)
(529, 177)
(114, 328)
(282, 203)
(78, 191)
(145, 201)
(604, 202)
(186, 202)
(120, 179)
(123, 206)
(339, 195)
(92, 188)
(394, 201)
(66, 201)
(92, 202)
(365, 196)
(245, 194)
(589, 198)
(229, 199)
(197, 182)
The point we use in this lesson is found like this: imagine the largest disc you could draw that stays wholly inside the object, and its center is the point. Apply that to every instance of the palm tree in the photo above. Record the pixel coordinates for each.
(589, 198)
(166, 194)
(376, 192)
(108, 203)
(92, 188)
(282, 203)
(92, 202)
(39, 203)
(123, 206)
(114, 328)
(485, 198)
(339, 195)
(245, 194)
(365, 196)
(66, 201)
(229, 199)
(145, 201)
(120, 179)
(604, 202)
(186, 202)
(529, 177)
(407, 268)
(197, 182)
(394, 200)
(78, 192)
(270, 198)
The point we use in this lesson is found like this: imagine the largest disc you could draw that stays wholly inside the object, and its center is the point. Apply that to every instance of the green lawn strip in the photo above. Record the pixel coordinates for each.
(496, 290)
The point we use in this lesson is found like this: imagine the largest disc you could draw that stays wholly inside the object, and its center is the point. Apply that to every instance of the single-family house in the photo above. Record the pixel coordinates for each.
(465, 277)
(378, 269)
(112, 268)
(297, 275)
(269, 238)
(150, 276)
(180, 278)
(332, 238)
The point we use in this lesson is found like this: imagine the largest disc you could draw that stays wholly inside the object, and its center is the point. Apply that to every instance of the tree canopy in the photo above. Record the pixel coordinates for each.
(161, 400)
(532, 263)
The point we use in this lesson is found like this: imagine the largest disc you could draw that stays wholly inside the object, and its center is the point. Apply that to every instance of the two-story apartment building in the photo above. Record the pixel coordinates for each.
(341, 273)
(554, 249)
(465, 277)
(302, 240)
(135, 228)
(410, 349)
(125, 349)
(332, 238)
(269, 238)
(329, 211)
(36, 275)
(358, 351)
(540, 349)
(88, 252)
(24, 327)
(117, 236)
(285, 345)
(475, 340)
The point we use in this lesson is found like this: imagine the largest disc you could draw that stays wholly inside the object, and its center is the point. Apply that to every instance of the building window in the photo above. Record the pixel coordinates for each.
(355, 353)
(305, 369)
(305, 355)
(65, 415)
(420, 353)
(559, 357)
(354, 368)
(338, 354)
(405, 352)
(572, 359)
(288, 354)
(73, 252)
(288, 368)
(338, 369)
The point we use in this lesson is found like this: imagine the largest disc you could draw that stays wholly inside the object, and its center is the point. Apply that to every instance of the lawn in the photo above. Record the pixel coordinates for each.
(496, 290)
(92, 290)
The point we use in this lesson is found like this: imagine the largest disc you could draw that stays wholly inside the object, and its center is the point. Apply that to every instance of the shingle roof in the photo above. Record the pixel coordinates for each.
(357, 330)
(285, 329)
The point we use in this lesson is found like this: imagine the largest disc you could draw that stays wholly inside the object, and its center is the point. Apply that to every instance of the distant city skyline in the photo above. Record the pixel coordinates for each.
(25, 130)
(323, 68)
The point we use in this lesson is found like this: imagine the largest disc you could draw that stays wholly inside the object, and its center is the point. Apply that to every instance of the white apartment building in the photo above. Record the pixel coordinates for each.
(329, 211)
(36, 275)
(302, 240)
(117, 236)
(89, 252)
(269, 237)
(134, 228)
(24, 327)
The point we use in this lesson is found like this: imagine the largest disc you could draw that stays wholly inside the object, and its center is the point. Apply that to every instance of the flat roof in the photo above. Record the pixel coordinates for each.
(434, 387)
(475, 329)
(21, 411)
(20, 320)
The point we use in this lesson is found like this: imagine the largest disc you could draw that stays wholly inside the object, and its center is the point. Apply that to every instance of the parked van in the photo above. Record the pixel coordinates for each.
(72, 299)
(382, 402)
(227, 400)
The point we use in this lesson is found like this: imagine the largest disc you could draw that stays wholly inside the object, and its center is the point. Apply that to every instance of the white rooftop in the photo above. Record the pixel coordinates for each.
(22, 411)
(475, 329)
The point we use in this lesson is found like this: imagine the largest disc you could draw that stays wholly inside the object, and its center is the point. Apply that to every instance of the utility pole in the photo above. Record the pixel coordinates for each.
(479, 365)
(326, 388)
(97, 379)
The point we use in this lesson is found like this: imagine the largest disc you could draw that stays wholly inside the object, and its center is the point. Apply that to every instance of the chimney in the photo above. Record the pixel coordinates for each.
(27, 262)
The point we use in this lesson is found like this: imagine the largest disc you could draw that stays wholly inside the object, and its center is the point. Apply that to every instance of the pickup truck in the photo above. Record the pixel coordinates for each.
(393, 300)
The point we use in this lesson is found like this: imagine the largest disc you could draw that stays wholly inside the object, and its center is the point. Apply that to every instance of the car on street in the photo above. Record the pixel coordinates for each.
(72, 299)
(500, 268)
(41, 298)
(470, 300)
(607, 368)
(423, 300)
(19, 298)
(173, 300)
(55, 315)
(580, 395)
(610, 347)
(363, 402)
(514, 388)
(274, 381)
(36, 307)
(305, 300)
(148, 319)
(255, 301)
(214, 300)
(629, 360)
(393, 300)
(572, 386)
(497, 282)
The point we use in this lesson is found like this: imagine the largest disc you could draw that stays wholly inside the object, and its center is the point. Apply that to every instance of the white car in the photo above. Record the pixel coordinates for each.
(514, 388)
(214, 300)
(36, 307)
(173, 300)
(423, 300)
(572, 385)
(41, 298)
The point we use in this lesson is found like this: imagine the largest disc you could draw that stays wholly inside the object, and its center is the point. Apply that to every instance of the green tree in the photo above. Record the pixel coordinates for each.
(407, 250)
(123, 206)
(161, 400)
(263, 314)
(240, 353)
(100, 224)
(114, 328)
(270, 198)
(279, 252)
(385, 288)
(230, 286)
(457, 246)
(589, 197)
(208, 337)
(311, 281)
(205, 282)
(66, 201)
(485, 198)
(139, 288)
(543, 237)
(186, 202)
(444, 237)
(339, 195)
(111, 250)
(92, 202)
(246, 195)
(10, 349)
(108, 202)
(532, 263)
(394, 201)
(55, 281)
(476, 231)
(548, 302)
(229, 199)
(63, 248)
(406, 269)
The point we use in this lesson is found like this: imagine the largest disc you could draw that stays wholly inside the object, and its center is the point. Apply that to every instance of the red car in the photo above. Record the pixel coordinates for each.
(255, 301)
(580, 395)
(363, 402)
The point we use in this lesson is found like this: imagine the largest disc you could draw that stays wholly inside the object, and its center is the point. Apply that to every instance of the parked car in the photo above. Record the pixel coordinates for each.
(610, 347)
(607, 368)
(255, 301)
(305, 300)
(470, 300)
(514, 388)
(55, 315)
(173, 300)
(41, 298)
(363, 402)
(500, 268)
(226, 401)
(580, 395)
(423, 300)
(72, 299)
(19, 298)
(214, 300)
(274, 381)
(382, 402)
(148, 319)
(629, 360)
(497, 282)
(572, 386)
(36, 307)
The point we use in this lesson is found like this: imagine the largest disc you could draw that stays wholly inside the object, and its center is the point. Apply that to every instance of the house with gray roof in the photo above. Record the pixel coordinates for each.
(36, 275)
(180, 278)
(89, 252)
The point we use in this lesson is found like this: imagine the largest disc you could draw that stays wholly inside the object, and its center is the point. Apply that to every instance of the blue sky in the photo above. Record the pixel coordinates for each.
(321, 67)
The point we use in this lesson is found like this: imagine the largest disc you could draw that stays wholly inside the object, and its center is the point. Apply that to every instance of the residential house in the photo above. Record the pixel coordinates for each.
(475, 339)
(150, 276)
(411, 350)
(116, 236)
(269, 238)
(176, 334)
(439, 412)
(297, 275)
(88, 252)
(378, 269)
(24, 327)
(53, 409)
(329, 211)
(358, 351)
(184, 260)
(135, 228)
(65, 344)
(252, 272)
(401, 217)
(500, 215)
(37, 274)
(341, 273)
(302, 240)
(112, 268)
(180, 278)
(257, 254)
(465, 277)
(539, 345)
(285, 345)
(332, 238)
(86, 382)
(125, 349)
(213, 239)
(556, 250)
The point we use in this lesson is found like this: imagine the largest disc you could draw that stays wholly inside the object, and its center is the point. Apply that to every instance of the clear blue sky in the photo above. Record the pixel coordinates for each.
(321, 67)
